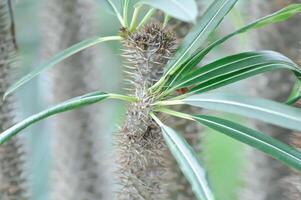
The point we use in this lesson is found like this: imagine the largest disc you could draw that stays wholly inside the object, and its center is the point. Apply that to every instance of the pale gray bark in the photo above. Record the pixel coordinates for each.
(80, 165)
(12, 173)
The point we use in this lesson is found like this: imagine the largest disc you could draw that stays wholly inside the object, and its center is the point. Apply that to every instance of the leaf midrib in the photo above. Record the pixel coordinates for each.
(250, 136)
(182, 8)
(191, 165)
(216, 83)
(195, 41)
(242, 105)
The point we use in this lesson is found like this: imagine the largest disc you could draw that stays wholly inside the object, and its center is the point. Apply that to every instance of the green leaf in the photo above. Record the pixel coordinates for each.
(198, 35)
(183, 10)
(188, 162)
(260, 109)
(265, 143)
(295, 94)
(58, 58)
(111, 8)
(232, 69)
(279, 16)
(125, 12)
(273, 18)
(71, 104)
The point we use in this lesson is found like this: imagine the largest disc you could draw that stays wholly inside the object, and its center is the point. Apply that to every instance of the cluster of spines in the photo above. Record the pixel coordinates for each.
(13, 185)
(146, 52)
(141, 150)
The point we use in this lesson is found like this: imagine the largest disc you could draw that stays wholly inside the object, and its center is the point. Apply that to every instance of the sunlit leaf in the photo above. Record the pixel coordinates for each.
(58, 58)
(261, 141)
(296, 93)
(279, 16)
(71, 104)
(125, 7)
(259, 109)
(113, 8)
(183, 10)
(234, 68)
(188, 162)
(273, 18)
(198, 35)
(265, 143)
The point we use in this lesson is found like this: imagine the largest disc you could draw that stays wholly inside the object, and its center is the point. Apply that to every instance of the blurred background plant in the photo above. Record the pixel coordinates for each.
(225, 157)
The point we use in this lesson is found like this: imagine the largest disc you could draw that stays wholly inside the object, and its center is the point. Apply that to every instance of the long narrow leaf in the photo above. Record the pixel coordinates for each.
(125, 11)
(265, 143)
(187, 161)
(260, 109)
(296, 93)
(62, 107)
(198, 35)
(111, 8)
(58, 58)
(183, 10)
(234, 68)
(273, 18)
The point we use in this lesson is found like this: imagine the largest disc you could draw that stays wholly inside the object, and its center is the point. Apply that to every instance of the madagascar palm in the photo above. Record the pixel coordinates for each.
(156, 76)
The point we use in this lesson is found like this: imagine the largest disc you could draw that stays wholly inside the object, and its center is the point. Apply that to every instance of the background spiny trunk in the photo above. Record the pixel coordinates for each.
(140, 146)
(266, 178)
(12, 179)
(80, 168)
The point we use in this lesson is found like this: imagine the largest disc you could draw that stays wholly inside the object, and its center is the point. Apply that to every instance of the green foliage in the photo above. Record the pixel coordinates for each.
(183, 10)
(125, 12)
(256, 108)
(276, 17)
(295, 94)
(197, 36)
(232, 69)
(224, 157)
(265, 143)
(58, 58)
(62, 107)
(279, 16)
(187, 161)
(180, 73)
(111, 8)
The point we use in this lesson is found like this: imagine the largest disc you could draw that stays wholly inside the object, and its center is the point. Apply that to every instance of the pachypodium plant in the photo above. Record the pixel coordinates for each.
(162, 74)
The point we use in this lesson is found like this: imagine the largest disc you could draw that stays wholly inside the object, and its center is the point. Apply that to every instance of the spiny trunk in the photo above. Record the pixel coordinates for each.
(265, 177)
(81, 168)
(140, 146)
(12, 179)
